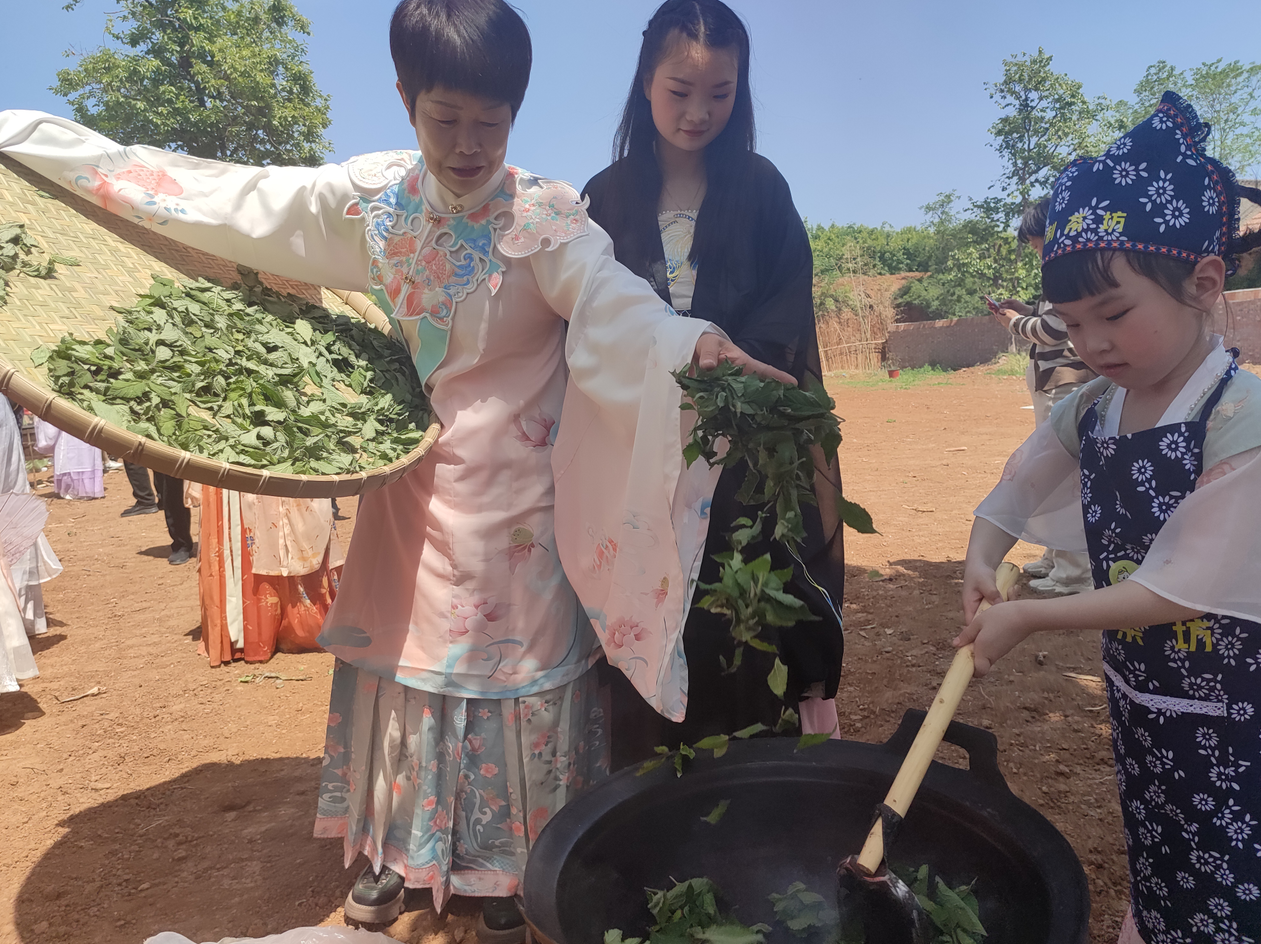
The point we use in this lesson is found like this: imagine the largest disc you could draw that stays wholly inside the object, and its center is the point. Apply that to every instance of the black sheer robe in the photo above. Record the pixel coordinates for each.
(762, 298)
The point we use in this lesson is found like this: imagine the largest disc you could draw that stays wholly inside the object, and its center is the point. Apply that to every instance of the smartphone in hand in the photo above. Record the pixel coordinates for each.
(992, 305)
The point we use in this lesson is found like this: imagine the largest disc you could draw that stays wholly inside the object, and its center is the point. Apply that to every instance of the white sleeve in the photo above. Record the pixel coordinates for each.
(290, 221)
(1038, 498)
(46, 436)
(631, 518)
(1208, 554)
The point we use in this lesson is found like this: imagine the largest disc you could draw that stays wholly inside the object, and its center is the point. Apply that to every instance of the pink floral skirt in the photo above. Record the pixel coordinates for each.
(451, 792)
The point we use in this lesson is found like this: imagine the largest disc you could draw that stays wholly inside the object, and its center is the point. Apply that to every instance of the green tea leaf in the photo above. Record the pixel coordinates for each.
(778, 679)
(730, 933)
(803, 911)
(954, 912)
(811, 740)
(649, 766)
(717, 813)
(614, 936)
(855, 516)
(718, 743)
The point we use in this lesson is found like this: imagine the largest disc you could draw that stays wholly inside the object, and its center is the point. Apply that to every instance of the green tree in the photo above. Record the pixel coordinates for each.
(1046, 121)
(885, 249)
(974, 253)
(1225, 94)
(223, 79)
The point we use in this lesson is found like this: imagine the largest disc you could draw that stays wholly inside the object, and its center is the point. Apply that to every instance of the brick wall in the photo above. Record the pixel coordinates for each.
(952, 343)
(1243, 326)
(967, 342)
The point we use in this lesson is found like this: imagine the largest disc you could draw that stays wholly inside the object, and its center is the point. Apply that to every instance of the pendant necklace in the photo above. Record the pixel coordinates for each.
(674, 199)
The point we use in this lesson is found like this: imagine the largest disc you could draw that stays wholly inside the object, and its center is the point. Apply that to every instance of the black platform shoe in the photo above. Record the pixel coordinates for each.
(375, 898)
(501, 922)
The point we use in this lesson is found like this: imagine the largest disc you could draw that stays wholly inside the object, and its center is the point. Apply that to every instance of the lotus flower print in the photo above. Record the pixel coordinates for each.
(534, 431)
(622, 630)
(475, 614)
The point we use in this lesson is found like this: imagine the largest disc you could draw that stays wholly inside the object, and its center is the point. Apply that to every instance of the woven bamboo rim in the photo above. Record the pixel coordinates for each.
(116, 441)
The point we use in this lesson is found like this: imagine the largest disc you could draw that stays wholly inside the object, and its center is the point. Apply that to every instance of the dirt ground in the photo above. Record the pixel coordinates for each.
(182, 798)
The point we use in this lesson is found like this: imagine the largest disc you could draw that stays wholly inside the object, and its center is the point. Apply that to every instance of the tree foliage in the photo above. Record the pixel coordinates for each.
(1046, 120)
(883, 249)
(1225, 94)
(975, 253)
(222, 79)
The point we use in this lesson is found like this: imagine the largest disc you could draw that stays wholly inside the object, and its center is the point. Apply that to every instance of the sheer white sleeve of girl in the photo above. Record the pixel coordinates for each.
(1038, 498)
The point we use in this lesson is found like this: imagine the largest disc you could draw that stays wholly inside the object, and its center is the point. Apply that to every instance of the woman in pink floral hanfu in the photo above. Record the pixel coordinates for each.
(554, 515)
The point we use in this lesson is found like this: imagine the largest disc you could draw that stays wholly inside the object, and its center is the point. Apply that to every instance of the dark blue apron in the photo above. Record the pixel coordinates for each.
(1186, 731)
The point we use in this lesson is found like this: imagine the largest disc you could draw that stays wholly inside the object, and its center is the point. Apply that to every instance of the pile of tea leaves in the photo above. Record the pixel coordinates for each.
(955, 912)
(249, 376)
(689, 913)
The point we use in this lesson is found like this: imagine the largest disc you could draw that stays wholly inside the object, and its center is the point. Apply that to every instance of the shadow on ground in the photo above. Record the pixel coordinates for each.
(163, 551)
(45, 642)
(16, 709)
(224, 850)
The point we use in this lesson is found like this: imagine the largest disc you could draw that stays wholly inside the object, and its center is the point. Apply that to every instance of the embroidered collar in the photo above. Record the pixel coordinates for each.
(427, 255)
(442, 202)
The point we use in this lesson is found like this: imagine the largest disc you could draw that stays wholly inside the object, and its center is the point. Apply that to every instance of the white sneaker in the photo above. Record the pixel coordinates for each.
(1047, 585)
(1039, 568)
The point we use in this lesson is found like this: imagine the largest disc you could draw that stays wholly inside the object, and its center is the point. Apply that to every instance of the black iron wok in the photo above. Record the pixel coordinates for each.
(792, 817)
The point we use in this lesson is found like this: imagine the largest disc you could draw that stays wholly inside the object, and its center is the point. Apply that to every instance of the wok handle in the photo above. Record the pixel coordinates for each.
(907, 782)
(980, 745)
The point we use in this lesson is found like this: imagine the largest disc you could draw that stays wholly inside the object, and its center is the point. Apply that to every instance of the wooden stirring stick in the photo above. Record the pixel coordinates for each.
(911, 774)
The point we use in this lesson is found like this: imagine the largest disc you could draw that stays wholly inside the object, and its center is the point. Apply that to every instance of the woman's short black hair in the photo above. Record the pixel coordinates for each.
(477, 46)
(1033, 223)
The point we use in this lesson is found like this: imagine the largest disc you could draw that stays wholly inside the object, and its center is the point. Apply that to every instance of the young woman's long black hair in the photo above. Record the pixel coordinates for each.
(632, 198)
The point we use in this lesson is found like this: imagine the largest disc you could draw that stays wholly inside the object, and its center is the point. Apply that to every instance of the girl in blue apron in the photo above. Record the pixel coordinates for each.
(1152, 469)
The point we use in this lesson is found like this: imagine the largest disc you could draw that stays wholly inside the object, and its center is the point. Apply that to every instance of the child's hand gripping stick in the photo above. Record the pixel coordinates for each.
(915, 766)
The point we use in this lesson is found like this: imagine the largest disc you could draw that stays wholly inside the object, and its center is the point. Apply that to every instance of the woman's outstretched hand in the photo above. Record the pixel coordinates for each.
(713, 349)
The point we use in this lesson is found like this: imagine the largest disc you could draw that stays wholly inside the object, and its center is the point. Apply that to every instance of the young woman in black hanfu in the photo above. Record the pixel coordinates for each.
(711, 225)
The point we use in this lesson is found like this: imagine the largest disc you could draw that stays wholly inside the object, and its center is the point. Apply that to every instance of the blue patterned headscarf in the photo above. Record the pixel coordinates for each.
(1154, 190)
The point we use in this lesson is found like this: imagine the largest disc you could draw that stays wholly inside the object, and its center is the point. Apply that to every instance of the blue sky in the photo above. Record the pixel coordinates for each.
(869, 109)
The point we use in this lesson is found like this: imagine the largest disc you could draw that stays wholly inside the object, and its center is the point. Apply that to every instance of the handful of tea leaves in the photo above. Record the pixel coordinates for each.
(249, 376)
(773, 427)
(752, 596)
